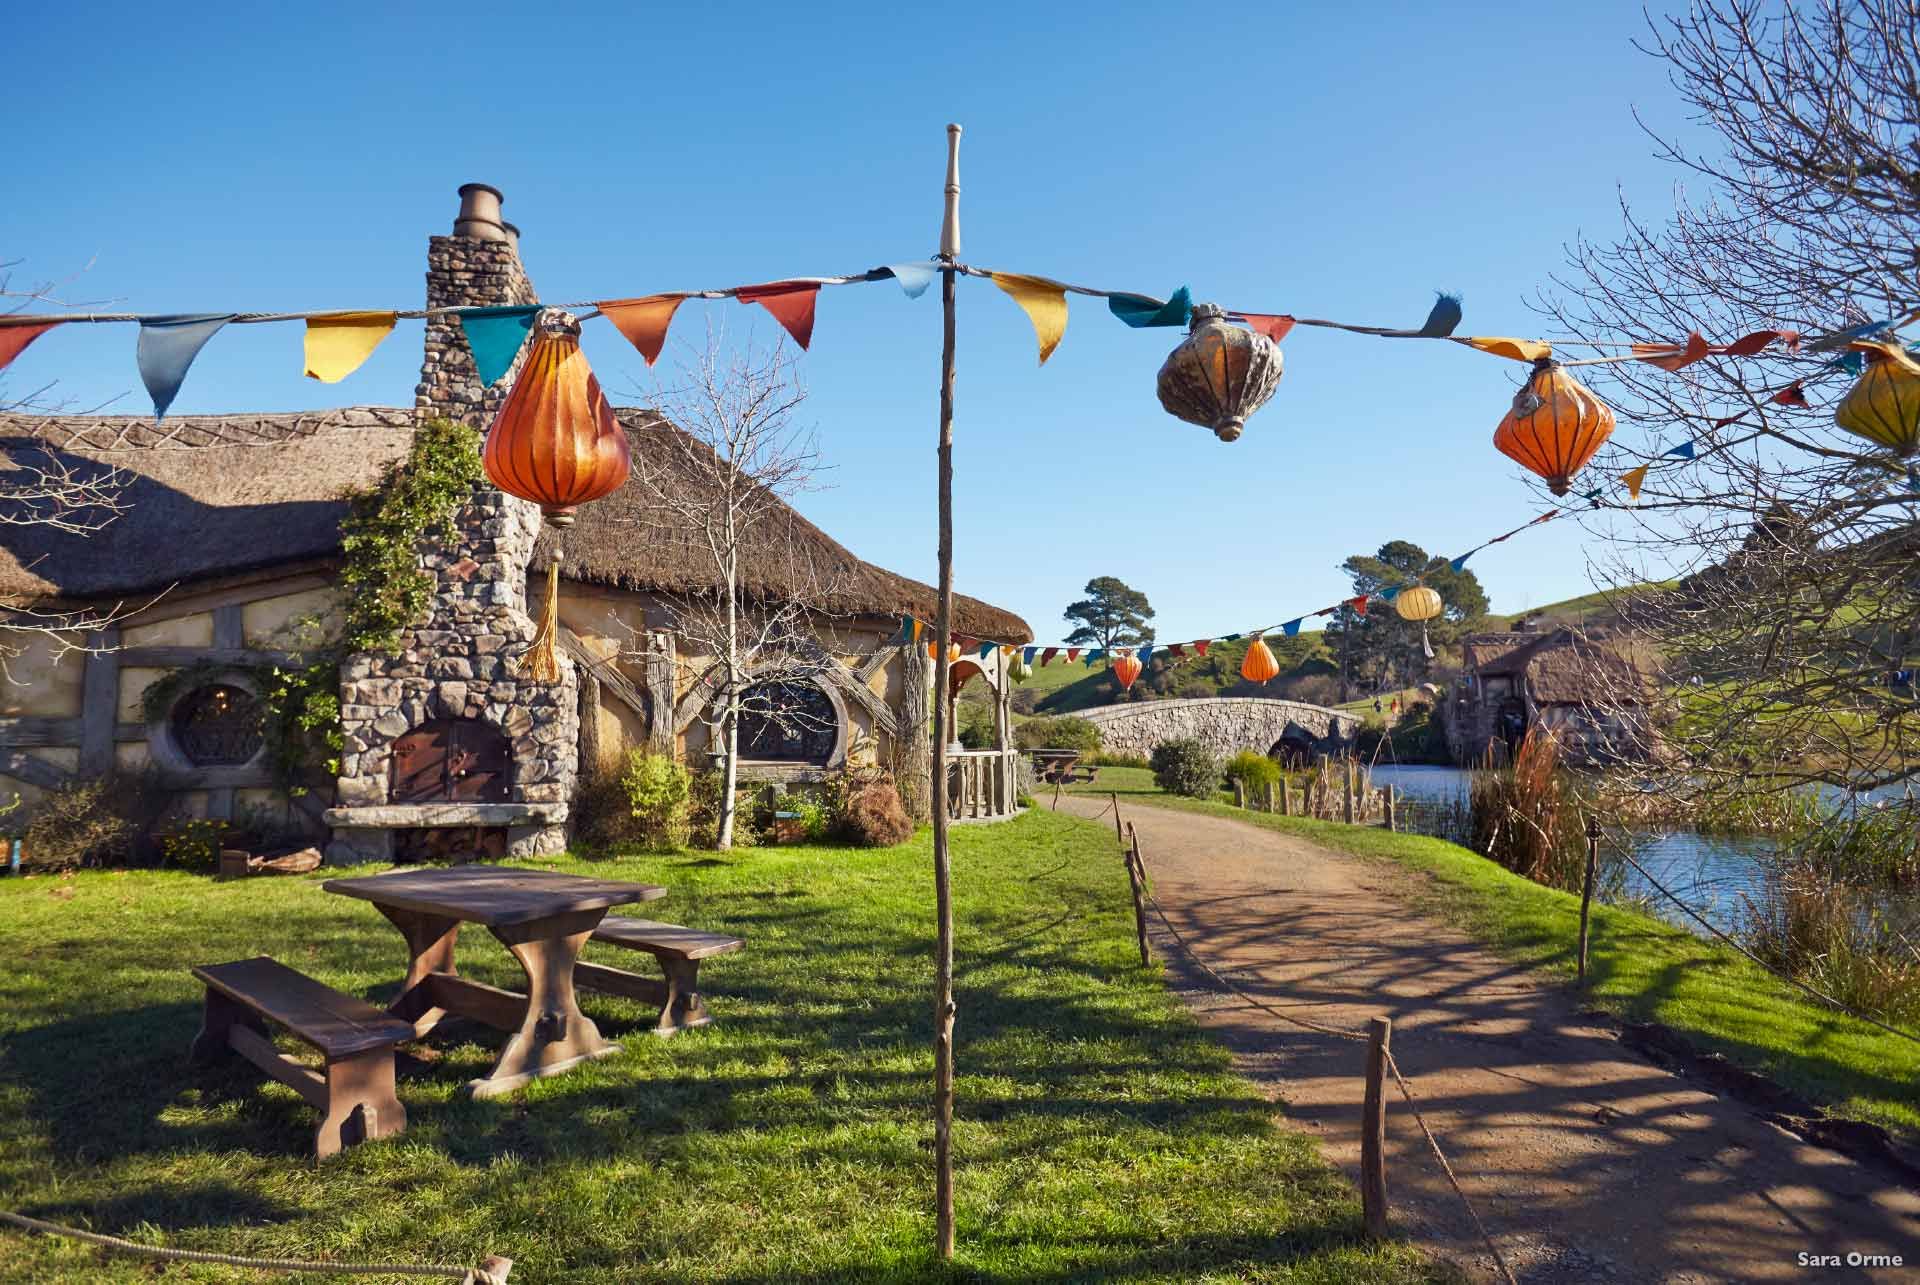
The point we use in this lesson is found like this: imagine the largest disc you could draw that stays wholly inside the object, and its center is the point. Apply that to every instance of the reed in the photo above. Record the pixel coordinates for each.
(1527, 816)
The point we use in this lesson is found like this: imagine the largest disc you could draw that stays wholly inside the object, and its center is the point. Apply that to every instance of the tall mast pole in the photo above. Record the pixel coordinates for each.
(943, 1008)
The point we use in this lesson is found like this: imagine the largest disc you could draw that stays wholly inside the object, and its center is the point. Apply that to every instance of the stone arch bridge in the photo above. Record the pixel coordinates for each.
(1225, 724)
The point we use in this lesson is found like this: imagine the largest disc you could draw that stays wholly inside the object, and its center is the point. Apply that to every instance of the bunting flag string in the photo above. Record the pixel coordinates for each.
(790, 303)
(15, 336)
(1044, 302)
(166, 350)
(643, 321)
(496, 335)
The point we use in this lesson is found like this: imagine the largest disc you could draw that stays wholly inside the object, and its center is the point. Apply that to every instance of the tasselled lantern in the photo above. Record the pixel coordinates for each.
(1220, 374)
(1419, 604)
(555, 443)
(1883, 405)
(1554, 427)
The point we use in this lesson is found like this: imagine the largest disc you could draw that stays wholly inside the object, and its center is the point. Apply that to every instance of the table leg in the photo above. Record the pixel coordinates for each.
(430, 941)
(556, 1035)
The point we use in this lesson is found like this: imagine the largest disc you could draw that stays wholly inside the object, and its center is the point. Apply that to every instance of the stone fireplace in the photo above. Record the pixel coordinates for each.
(448, 748)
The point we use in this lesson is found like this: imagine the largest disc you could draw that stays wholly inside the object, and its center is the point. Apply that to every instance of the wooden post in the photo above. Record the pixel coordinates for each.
(1373, 1129)
(1117, 836)
(1389, 797)
(1286, 801)
(1272, 792)
(1239, 793)
(1346, 792)
(1056, 796)
(1136, 875)
(943, 1006)
(1586, 893)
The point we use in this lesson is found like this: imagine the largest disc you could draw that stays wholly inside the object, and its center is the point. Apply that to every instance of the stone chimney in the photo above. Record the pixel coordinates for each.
(451, 700)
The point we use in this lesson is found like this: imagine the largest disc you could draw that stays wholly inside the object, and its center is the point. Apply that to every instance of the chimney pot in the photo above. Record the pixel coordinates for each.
(479, 216)
(513, 235)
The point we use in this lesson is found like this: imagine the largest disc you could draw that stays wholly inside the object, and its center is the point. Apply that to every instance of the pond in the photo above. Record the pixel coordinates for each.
(1710, 872)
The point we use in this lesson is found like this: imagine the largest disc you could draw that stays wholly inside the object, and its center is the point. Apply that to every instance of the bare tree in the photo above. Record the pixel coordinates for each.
(717, 473)
(1786, 619)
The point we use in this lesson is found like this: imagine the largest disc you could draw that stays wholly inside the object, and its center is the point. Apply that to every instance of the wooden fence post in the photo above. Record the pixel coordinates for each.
(1286, 803)
(1388, 796)
(1373, 1130)
(1239, 793)
(1346, 792)
(1586, 893)
(1117, 836)
(1136, 873)
(1272, 789)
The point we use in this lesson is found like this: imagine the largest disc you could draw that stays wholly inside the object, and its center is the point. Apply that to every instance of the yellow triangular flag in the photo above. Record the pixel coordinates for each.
(917, 627)
(337, 342)
(1044, 302)
(1518, 349)
(1633, 478)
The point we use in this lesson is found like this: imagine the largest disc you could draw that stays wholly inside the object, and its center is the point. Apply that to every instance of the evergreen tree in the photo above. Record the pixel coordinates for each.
(1111, 615)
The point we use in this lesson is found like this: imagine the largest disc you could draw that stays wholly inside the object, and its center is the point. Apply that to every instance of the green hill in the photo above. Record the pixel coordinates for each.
(1064, 688)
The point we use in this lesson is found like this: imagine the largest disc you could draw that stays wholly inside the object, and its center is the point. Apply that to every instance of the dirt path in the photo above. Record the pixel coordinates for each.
(1587, 1162)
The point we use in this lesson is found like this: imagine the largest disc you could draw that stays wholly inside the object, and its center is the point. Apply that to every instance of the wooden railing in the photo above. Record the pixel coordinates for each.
(982, 784)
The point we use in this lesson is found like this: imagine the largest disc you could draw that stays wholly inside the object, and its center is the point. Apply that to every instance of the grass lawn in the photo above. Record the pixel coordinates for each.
(1099, 1134)
(1640, 967)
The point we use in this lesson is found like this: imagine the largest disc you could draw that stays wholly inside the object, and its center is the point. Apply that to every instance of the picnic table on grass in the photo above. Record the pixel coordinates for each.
(1061, 767)
(541, 917)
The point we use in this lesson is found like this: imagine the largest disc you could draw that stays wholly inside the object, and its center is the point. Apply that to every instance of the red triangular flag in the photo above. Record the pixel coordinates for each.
(1359, 605)
(1046, 657)
(15, 338)
(1200, 646)
(1673, 356)
(643, 321)
(1731, 419)
(1177, 649)
(1274, 326)
(1073, 654)
(1748, 345)
(790, 302)
(1791, 395)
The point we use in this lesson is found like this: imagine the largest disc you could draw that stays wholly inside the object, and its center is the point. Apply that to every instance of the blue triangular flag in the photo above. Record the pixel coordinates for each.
(1460, 561)
(986, 650)
(495, 336)
(914, 278)
(1145, 653)
(1388, 595)
(1684, 451)
(1445, 316)
(1292, 627)
(1138, 311)
(1096, 654)
(906, 629)
(1027, 655)
(167, 347)
(1852, 362)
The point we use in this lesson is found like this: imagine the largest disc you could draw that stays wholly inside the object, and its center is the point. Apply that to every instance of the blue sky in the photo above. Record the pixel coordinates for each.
(1333, 161)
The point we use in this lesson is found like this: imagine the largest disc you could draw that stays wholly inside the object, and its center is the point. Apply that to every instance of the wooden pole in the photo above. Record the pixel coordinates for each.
(1373, 1129)
(1136, 876)
(1390, 796)
(1117, 836)
(1273, 790)
(943, 1006)
(1239, 793)
(1346, 792)
(1586, 893)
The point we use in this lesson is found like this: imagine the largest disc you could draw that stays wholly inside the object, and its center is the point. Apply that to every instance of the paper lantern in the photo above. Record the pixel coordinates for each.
(1555, 426)
(1883, 405)
(1018, 669)
(1220, 374)
(555, 441)
(1259, 666)
(1126, 668)
(1418, 603)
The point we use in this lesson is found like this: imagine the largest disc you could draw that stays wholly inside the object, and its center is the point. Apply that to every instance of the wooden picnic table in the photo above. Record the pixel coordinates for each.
(543, 918)
(1056, 767)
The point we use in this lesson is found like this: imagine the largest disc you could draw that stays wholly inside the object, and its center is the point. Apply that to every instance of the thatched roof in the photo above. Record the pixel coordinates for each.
(219, 496)
(1565, 667)
(1480, 652)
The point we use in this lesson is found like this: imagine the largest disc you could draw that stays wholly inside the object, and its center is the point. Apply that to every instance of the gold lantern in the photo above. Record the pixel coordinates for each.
(1418, 604)
(1883, 405)
(1555, 426)
(1220, 374)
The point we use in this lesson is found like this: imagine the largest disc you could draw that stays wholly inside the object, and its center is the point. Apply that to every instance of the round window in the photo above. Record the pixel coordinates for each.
(218, 726)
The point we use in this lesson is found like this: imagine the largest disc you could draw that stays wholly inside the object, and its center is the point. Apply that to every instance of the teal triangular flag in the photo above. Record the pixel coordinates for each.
(495, 336)
(914, 278)
(1388, 595)
(167, 348)
(1138, 311)
(906, 629)
(986, 650)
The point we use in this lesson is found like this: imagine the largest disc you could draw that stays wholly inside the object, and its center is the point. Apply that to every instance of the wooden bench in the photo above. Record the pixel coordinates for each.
(355, 1094)
(679, 951)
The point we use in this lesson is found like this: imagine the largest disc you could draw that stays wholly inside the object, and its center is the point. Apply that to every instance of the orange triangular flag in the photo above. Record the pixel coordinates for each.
(1274, 326)
(790, 302)
(15, 338)
(1634, 478)
(643, 321)
(1517, 349)
(917, 627)
(1673, 356)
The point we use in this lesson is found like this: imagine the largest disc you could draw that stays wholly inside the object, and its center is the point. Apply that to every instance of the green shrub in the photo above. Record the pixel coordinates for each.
(601, 814)
(657, 790)
(1187, 767)
(1254, 771)
(193, 844)
(1062, 733)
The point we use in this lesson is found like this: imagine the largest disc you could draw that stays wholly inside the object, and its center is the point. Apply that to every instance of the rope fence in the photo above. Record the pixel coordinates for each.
(1373, 1186)
(491, 1271)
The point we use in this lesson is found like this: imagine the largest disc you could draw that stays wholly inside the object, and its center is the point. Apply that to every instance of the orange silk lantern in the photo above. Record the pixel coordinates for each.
(1555, 426)
(1259, 666)
(1126, 668)
(555, 443)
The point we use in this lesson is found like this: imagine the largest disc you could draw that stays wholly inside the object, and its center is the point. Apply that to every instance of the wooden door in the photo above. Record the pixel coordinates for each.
(452, 760)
